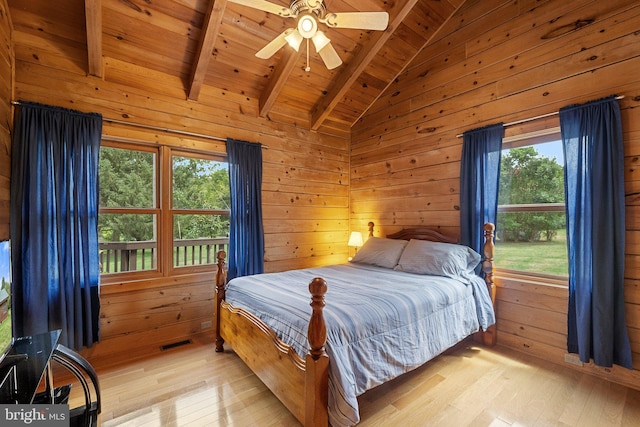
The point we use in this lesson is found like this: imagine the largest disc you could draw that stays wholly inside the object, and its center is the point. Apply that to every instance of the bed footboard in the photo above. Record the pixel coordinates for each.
(302, 385)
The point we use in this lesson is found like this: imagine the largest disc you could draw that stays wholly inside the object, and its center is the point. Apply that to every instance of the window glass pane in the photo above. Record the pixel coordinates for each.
(5, 295)
(200, 184)
(532, 240)
(532, 174)
(127, 242)
(197, 238)
(127, 178)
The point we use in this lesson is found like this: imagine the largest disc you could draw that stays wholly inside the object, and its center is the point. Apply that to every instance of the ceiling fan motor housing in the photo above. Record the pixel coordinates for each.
(313, 7)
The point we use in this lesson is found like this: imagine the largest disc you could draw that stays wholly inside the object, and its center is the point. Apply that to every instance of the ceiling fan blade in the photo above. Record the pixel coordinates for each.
(266, 6)
(274, 45)
(330, 56)
(358, 20)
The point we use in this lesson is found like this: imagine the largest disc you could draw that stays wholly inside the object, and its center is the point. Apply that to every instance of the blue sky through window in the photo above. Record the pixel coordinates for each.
(551, 150)
(5, 267)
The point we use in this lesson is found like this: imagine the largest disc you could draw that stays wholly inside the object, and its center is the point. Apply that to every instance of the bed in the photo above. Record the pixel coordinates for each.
(306, 353)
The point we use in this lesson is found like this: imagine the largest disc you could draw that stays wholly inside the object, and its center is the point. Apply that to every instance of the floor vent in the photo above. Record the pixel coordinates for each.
(174, 345)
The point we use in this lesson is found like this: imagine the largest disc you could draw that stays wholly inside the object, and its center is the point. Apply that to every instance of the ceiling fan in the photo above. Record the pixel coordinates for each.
(309, 13)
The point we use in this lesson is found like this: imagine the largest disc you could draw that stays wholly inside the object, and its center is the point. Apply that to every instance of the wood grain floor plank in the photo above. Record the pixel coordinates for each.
(469, 385)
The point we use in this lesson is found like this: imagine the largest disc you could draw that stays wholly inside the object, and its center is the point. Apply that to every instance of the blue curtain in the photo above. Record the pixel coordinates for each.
(53, 224)
(595, 207)
(246, 236)
(479, 182)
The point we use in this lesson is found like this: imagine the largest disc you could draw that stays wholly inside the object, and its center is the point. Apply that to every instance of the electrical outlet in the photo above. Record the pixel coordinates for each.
(574, 359)
(206, 325)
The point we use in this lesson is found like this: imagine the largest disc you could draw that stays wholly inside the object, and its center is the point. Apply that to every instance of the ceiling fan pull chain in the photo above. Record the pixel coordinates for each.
(308, 68)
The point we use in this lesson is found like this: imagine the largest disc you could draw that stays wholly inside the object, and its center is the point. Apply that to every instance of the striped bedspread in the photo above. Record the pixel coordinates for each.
(381, 323)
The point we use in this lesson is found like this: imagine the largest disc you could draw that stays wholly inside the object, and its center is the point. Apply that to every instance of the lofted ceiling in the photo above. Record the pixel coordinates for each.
(212, 44)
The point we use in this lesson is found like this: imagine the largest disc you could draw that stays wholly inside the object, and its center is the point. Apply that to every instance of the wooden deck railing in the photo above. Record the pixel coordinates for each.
(117, 257)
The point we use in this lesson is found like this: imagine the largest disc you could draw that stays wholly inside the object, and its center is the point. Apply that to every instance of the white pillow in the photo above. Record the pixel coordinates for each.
(380, 251)
(438, 259)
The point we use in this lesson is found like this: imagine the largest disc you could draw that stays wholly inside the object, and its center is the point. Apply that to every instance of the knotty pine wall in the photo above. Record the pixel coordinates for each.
(6, 120)
(305, 177)
(502, 61)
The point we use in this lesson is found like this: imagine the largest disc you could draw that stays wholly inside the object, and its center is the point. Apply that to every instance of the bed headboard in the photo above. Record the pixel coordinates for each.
(419, 233)
(422, 233)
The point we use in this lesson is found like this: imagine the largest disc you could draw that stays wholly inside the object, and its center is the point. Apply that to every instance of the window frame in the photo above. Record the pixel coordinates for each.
(525, 140)
(163, 210)
(155, 210)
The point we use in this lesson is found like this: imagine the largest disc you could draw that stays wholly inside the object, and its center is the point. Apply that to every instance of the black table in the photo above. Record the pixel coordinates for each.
(25, 365)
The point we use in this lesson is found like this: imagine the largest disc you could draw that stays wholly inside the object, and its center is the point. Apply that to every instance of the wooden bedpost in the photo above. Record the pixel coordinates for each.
(487, 264)
(370, 225)
(221, 282)
(317, 361)
(489, 336)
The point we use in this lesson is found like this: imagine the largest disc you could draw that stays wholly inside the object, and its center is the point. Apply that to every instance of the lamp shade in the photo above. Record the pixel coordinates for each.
(320, 40)
(294, 39)
(355, 239)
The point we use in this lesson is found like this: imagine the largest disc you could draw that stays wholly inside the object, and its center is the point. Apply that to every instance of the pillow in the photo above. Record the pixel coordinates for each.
(380, 251)
(438, 259)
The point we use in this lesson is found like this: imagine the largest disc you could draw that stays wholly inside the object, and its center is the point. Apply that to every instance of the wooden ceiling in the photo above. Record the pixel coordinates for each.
(212, 43)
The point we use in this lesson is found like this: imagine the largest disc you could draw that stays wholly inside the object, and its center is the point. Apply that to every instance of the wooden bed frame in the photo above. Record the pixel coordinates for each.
(302, 384)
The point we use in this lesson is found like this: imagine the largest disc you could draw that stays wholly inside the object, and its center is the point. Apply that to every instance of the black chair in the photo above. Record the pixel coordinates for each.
(84, 415)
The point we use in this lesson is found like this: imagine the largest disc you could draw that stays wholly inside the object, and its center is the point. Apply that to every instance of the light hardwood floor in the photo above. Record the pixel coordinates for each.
(467, 386)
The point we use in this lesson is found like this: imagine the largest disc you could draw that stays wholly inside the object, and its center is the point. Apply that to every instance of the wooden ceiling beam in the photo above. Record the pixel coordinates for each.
(93, 23)
(209, 34)
(354, 68)
(277, 81)
(409, 61)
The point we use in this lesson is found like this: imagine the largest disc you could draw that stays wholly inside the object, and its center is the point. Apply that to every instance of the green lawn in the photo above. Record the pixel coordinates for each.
(534, 257)
(5, 332)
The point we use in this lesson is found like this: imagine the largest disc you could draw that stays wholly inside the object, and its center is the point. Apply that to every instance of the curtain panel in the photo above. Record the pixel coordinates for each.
(479, 183)
(595, 208)
(246, 235)
(54, 232)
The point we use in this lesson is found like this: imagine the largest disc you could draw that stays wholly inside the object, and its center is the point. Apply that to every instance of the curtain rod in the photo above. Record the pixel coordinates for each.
(160, 129)
(517, 122)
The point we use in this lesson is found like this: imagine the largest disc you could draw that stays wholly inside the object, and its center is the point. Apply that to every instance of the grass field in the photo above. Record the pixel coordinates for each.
(535, 257)
(5, 332)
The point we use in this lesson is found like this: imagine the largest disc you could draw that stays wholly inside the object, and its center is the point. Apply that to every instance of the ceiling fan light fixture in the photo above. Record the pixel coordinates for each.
(320, 40)
(294, 39)
(307, 26)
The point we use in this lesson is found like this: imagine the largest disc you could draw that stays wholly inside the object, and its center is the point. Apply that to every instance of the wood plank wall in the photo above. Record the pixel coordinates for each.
(502, 61)
(6, 118)
(305, 176)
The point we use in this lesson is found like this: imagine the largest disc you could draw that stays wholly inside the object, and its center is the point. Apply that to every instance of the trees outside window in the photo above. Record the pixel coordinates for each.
(143, 229)
(129, 209)
(531, 217)
(200, 209)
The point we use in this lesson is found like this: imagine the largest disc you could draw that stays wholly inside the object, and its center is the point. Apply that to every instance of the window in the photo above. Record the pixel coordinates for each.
(200, 212)
(531, 233)
(142, 229)
(128, 218)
